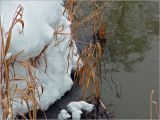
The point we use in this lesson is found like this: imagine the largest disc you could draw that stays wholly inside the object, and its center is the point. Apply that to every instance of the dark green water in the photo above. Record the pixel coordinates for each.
(132, 63)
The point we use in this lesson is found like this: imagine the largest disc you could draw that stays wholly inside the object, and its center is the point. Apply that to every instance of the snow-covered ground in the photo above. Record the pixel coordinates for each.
(41, 18)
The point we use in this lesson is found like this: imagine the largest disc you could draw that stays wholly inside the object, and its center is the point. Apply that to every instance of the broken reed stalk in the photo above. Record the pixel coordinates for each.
(35, 61)
(151, 102)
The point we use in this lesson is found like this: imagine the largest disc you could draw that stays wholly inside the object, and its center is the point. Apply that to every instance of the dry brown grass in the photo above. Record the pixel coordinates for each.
(88, 76)
(91, 55)
(10, 91)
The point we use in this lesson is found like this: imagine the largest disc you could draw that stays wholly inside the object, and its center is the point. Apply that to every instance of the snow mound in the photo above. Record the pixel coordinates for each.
(81, 105)
(76, 109)
(41, 19)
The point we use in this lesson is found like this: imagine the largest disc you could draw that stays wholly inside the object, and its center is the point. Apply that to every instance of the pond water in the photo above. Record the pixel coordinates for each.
(128, 94)
(132, 63)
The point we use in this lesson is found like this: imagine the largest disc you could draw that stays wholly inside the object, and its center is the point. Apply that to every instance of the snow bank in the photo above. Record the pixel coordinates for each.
(41, 18)
(76, 109)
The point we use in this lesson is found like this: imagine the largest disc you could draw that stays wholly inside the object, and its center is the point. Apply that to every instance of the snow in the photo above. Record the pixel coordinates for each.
(41, 18)
(81, 105)
(76, 114)
(63, 115)
(76, 109)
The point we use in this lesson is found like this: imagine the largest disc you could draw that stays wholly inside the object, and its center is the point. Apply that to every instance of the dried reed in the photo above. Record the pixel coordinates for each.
(151, 102)
(9, 90)
(88, 76)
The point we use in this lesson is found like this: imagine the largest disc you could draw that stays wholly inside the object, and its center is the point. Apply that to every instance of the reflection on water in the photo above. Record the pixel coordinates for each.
(132, 60)
(127, 31)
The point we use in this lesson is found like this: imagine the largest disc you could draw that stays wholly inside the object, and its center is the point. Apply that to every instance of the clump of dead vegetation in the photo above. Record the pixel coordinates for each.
(88, 76)
(10, 91)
